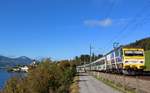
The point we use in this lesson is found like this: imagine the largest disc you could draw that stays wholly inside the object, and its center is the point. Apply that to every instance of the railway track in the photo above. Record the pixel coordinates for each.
(147, 78)
(144, 77)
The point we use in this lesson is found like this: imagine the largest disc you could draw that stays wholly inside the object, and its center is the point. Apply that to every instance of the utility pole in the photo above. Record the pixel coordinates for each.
(90, 53)
(115, 46)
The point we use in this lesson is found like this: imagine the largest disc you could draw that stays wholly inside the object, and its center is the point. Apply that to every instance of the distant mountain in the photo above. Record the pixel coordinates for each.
(7, 62)
(143, 43)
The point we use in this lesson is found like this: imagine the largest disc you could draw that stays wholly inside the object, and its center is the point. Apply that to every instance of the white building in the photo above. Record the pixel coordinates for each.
(25, 69)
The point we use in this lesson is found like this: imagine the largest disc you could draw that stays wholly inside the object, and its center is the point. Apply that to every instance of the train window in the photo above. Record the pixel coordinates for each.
(121, 52)
(133, 53)
(117, 53)
(112, 55)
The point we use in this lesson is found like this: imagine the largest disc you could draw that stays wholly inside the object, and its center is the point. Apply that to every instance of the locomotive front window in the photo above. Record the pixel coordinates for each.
(133, 53)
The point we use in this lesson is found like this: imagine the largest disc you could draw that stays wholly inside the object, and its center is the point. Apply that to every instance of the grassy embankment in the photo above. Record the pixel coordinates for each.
(147, 60)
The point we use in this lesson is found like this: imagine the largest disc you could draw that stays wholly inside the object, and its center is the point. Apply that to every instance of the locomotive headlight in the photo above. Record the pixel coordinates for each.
(141, 62)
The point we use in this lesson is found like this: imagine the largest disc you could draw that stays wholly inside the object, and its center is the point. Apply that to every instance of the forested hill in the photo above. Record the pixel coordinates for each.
(7, 62)
(143, 43)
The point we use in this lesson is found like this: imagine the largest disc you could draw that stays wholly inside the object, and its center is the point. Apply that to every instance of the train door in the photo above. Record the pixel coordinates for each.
(118, 59)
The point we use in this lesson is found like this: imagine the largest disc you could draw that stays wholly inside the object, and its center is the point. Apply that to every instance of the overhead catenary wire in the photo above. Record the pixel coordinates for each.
(111, 9)
(116, 37)
(113, 3)
(138, 23)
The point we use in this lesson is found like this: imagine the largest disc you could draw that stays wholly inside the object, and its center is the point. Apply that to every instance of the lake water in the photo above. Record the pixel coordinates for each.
(4, 76)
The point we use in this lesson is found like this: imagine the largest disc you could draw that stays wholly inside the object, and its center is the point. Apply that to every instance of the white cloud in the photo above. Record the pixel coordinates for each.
(103, 23)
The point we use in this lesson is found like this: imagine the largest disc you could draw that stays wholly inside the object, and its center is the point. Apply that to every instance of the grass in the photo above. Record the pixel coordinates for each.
(147, 60)
(74, 88)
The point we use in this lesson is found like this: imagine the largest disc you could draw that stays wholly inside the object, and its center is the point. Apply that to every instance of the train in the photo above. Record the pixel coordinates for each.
(128, 61)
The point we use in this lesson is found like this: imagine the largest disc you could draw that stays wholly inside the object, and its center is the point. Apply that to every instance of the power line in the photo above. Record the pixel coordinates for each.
(111, 9)
(127, 25)
(139, 23)
(113, 3)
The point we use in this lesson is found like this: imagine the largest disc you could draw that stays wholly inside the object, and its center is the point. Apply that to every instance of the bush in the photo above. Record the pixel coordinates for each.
(47, 77)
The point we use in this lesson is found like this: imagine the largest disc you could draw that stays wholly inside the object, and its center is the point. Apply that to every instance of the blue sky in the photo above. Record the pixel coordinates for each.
(65, 28)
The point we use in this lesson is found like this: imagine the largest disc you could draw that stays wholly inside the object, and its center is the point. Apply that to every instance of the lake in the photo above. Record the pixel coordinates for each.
(4, 76)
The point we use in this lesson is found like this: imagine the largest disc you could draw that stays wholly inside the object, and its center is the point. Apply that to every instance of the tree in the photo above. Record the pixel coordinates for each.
(47, 77)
